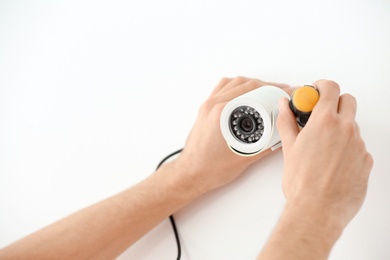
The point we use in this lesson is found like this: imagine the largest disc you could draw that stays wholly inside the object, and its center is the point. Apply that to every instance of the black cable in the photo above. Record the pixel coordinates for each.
(171, 216)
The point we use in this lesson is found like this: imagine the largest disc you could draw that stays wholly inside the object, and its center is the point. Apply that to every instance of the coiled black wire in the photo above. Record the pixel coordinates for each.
(171, 218)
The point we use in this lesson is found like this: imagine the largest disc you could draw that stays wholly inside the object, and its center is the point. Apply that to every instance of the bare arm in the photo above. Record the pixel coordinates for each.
(105, 229)
(325, 177)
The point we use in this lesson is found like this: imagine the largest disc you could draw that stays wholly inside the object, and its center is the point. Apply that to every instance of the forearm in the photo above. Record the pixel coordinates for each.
(107, 228)
(302, 233)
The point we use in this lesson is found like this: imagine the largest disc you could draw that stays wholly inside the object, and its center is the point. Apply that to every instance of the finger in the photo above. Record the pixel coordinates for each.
(289, 91)
(233, 83)
(329, 95)
(357, 128)
(226, 84)
(228, 94)
(249, 85)
(286, 124)
(220, 85)
(279, 85)
(347, 106)
(283, 86)
(369, 163)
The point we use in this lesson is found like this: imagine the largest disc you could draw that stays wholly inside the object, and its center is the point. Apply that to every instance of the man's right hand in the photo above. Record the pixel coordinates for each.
(326, 171)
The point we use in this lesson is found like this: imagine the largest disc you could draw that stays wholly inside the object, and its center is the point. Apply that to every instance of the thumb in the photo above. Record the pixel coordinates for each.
(286, 124)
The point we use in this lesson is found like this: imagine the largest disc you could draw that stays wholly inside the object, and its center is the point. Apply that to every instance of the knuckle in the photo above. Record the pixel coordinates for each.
(253, 83)
(349, 97)
(333, 85)
(369, 160)
(330, 85)
(240, 80)
(224, 80)
(328, 117)
(212, 105)
(319, 81)
(348, 127)
(209, 104)
(361, 147)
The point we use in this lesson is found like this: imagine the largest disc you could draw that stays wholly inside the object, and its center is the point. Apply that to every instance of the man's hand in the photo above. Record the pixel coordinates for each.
(213, 164)
(326, 170)
(327, 162)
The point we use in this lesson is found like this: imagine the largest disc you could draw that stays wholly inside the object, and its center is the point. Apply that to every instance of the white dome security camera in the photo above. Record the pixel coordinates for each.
(248, 122)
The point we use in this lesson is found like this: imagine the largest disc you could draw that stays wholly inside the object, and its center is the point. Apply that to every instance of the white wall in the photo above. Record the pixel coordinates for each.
(93, 94)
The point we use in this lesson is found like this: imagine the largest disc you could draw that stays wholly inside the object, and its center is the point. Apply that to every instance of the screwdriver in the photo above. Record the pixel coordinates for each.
(302, 102)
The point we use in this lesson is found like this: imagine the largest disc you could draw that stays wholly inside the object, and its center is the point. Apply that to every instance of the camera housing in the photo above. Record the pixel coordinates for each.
(248, 121)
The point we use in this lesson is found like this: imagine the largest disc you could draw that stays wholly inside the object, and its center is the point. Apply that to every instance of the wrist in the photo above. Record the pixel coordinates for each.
(181, 179)
(312, 226)
(304, 231)
(315, 216)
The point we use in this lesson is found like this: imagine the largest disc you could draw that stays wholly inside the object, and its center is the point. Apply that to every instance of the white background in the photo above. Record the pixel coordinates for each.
(93, 94)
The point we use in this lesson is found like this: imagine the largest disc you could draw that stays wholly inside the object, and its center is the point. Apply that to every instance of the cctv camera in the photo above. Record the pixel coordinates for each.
(248, 122)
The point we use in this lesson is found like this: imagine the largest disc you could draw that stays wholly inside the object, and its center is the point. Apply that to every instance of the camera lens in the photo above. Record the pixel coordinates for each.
(246, 124)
